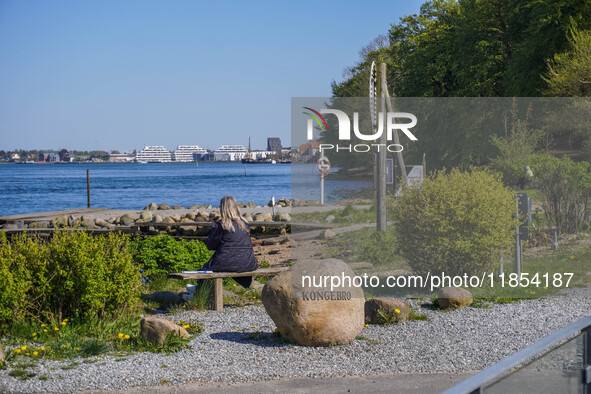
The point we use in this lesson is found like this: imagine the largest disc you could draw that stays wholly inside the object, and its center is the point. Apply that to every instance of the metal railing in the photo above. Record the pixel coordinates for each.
(576, 336)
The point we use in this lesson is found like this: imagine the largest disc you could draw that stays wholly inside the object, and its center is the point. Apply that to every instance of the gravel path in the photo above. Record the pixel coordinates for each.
(462, 340)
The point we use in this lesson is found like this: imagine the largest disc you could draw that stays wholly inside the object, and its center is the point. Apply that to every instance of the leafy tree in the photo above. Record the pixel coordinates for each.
(569, 73)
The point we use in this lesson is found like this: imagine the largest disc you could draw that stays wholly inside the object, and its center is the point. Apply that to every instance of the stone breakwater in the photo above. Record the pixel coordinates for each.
(158, 218)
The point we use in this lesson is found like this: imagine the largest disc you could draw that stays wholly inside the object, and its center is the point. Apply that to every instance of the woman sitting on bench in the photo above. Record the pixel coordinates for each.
(230, 238)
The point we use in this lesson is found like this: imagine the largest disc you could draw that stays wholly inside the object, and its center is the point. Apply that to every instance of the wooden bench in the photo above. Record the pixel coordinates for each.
(218, 288)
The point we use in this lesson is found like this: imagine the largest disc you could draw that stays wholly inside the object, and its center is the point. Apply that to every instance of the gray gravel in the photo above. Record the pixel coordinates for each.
(462, 340)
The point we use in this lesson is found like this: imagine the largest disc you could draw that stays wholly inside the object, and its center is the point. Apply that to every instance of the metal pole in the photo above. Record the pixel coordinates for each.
(321, 189)
(381, 165)
(517, 244)
(88, 186)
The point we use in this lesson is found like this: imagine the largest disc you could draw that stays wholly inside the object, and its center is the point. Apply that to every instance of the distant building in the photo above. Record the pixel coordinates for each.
(15, 156)
(188, 153)
(153, 154)
(310, 151)
(229, 153)
(49, 157)
(274, 145)
(121, 157)
(64, 155)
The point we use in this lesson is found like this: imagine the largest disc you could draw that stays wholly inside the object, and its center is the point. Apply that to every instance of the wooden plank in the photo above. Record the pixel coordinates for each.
(218, 294)
(260, 272)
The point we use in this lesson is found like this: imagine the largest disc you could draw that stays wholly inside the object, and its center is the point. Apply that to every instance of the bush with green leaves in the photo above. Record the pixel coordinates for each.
(566, 188)
(73, 275)
(162, 254)
(457, 222)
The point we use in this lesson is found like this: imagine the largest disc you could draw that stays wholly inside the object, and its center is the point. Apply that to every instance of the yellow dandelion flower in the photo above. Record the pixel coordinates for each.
(56, 329)
(572, 257)
(42, 325)
(44, 330)
(127, 337)
(545, 288)
(63, 323)
(77, 348)
(24, 348)
(49, 347)
(367, 325)
(17, 351)
(397, 310)
(254, 298)
(186, 326)
(533, 292)
(34, 334)
(66, 319)
(234, 284)
(65, 346)
(120, 335)
(498, 298)
(255, 326)
(42, 348)
(276, 330)
(28, 354)
(35, 354)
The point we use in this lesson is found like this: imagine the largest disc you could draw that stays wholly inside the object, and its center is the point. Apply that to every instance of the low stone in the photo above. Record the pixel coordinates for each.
(101, 223)
(194, 207)
(88, 222)
(40, 224)
(127, 220)
(454, 297)
(247, 217)
(329, 219)
(189, 230)
(263, 217)
(153, 206)
(72, 221)
(209, 206)
(384, 311)
(175, 217)
(146, 216)
(156, 330)
(10, 226)
(191, 216)
(270, 241)
(312, 202)
(327, 234)
(229, 294)
(186, 220)
(258, 286)
(178, 207)
(168, 219)
(313, 316)
(250, 205)
(165, 298)
(157, 218)
(284, 217)
(163, 206)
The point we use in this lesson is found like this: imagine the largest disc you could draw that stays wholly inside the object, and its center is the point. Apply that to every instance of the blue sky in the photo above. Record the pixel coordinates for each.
(123, 74)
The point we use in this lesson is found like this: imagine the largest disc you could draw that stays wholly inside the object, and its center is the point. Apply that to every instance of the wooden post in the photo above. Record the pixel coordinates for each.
(88, 187)
(218, 294)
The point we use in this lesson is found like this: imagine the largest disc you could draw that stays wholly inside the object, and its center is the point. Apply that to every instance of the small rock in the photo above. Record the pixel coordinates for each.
(127, 219)
(157, 218)
(383, 311)
(152, 207)
(191, 216)
(101, 223)
(194, 207)
(247, 217)
(168, 219)
(284, 217)
(327, 234)
(263, 217)
(176, 218)
(178, 207)
(329, 219)
(454, 297)
(146, 216)
(156, 330)
(88, 222)
(163, 206)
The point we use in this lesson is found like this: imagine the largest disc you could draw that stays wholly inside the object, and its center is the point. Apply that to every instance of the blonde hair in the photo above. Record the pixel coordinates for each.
(230, 212)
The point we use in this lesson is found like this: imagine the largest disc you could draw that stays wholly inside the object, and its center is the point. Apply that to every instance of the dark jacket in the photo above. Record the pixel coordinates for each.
(233, 250)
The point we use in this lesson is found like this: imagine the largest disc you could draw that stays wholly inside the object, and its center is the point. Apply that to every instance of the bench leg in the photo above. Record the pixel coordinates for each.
(218, 294)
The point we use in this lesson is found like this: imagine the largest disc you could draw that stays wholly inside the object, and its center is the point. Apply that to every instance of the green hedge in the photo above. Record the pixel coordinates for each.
(456, 223)
(162, 254)
(73, 275)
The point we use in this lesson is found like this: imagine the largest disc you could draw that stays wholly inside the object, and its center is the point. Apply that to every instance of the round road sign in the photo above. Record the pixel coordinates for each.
(323, 165)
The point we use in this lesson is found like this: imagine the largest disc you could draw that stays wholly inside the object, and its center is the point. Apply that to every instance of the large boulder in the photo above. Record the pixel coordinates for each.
(152, 206)
(87, 222)
(163, 206)
(386, 311)
(263, 217)
(310, 315)
(146, 216)
(454, 297)
(156, 330)
(284, 217)
(127, 220)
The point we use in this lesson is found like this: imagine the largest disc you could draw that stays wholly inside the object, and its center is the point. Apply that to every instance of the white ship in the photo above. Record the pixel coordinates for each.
(154, 154)
(186, 153)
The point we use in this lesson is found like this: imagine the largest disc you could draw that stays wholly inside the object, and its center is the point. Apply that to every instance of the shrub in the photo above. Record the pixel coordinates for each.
(455, 223)
(73, 275)
(566, 188)
(162, 254)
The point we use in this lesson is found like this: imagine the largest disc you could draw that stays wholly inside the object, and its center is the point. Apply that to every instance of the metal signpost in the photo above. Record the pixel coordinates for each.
(323, 167)
(523, 215)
